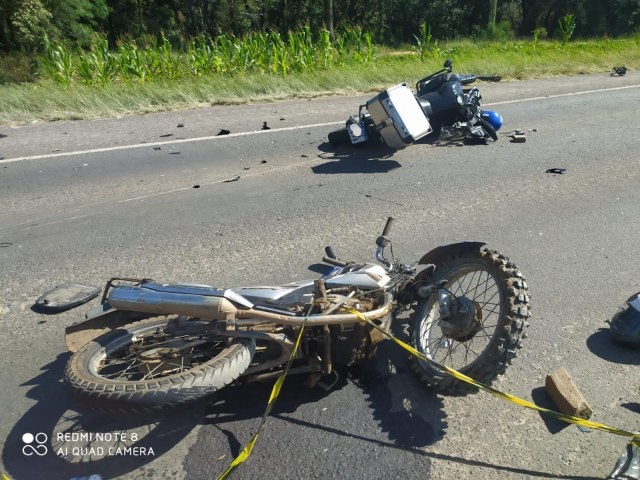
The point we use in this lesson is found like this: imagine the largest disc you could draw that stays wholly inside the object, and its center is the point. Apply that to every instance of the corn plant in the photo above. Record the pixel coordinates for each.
(99, 65)
(566, 26)
(57, 63)
(423, 42)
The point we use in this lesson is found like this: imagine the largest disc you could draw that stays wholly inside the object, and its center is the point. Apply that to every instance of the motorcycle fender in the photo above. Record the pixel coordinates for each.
(98, 320)
(452, 250)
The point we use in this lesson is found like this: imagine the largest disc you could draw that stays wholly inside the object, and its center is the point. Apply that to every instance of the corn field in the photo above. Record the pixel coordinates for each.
(260, 52)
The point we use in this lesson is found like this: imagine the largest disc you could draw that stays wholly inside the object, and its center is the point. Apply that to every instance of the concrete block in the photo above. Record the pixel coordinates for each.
(565, 394)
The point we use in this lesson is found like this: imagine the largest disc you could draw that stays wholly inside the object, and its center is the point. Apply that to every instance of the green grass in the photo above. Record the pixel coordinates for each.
(48, 99)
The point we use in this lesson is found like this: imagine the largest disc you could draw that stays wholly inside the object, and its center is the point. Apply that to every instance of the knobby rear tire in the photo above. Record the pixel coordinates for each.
(118, 396)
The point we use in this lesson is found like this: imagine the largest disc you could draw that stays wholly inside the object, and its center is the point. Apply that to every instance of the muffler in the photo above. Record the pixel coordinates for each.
(172, 299)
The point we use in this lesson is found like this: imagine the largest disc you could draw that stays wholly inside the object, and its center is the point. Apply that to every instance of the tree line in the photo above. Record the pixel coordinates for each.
(24, 24)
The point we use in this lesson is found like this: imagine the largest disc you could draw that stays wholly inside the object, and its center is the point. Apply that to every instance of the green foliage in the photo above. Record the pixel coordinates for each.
(423, 41)
(30, 21)
(539, 33)
(57, 63)
(262, 52)
(76, 21)
(498, 31)
(566, 26)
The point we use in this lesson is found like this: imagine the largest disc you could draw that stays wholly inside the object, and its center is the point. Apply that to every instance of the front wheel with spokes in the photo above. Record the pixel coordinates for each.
(155, 364)
(490, 309)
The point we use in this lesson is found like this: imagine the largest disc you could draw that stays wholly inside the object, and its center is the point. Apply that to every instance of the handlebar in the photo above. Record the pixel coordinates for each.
(333, 261)
(388, 226)
(331, 253)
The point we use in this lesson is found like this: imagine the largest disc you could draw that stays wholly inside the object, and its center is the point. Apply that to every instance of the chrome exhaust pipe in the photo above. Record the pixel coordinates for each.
(186, 302)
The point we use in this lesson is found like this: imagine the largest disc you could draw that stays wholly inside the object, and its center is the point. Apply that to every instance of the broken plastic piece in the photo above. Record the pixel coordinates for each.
(558, 171)
(618, 71)
(265, 126)
(223, 132)
(628, 465)
(234, 179)
(625, 324)
(66, 296)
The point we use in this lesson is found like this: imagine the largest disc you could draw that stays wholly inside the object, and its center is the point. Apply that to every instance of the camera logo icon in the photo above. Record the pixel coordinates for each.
(35, 444)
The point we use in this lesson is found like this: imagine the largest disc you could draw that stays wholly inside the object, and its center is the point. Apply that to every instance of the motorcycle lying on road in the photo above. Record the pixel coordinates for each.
(398, 118)
(152, 345)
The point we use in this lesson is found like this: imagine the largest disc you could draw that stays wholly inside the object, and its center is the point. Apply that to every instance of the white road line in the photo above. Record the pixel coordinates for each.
(274, 130)
(531, 99)
(167, 142)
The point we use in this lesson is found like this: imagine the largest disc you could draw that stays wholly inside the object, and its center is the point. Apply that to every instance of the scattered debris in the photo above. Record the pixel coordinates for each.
(265, 126)
(234, 179)
(628, 465)
(518, 138)
(223, 132)
(557, 171)
(166, 135)
(624, 326)
(66, 296)
(180, 125)
(174, 153)
(196, 186)
(304, 156)
(157, 148)
(246, 168)
(282, 118)
(565, 394)
(5, 244)
(55, 150)
(263, 161)
(618, 71)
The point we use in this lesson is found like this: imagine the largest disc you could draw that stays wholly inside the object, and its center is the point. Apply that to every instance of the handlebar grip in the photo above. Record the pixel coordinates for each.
(331, 253)
(387, 227)
(333, 261)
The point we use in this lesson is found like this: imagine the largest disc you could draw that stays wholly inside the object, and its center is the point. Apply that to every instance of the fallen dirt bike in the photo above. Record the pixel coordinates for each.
(152, 345)
(398, 118)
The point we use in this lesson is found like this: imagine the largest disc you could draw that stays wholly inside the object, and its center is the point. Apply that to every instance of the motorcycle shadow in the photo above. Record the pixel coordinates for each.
(68, 451)
(350, 159)
(411, 415)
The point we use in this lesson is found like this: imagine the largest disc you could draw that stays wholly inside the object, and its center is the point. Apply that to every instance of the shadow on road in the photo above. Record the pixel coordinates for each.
(66, 454)
(349, 159)
(601, 344)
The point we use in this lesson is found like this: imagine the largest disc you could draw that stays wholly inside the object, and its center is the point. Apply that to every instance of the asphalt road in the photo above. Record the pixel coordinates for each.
(135, 211)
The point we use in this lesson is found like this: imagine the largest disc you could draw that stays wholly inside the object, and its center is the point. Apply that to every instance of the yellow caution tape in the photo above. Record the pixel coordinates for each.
(635, 436)
(4, 477)
(275, 391)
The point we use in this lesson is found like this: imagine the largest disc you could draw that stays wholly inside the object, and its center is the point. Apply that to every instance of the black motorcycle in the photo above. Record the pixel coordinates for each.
(398, 117)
